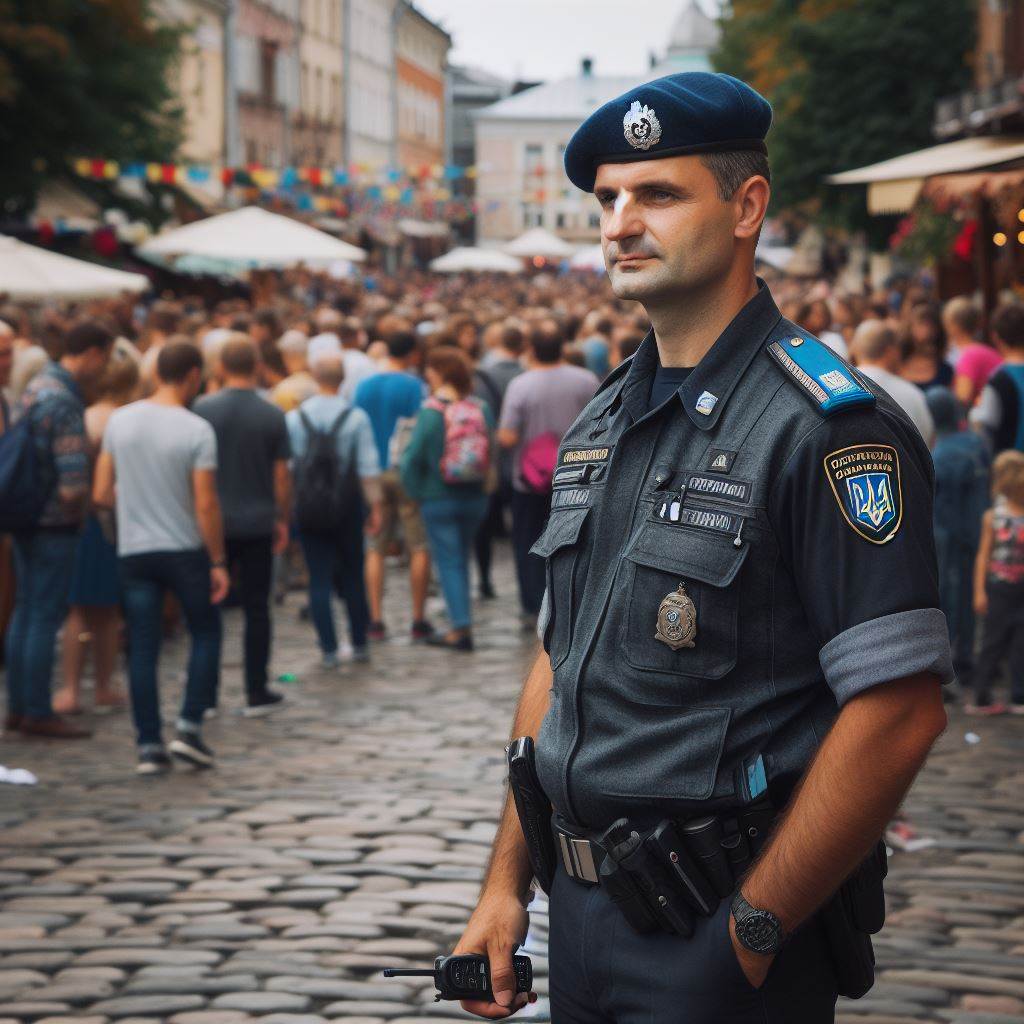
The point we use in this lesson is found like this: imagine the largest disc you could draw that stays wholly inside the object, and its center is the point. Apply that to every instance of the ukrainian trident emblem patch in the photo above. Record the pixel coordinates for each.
(865, 479)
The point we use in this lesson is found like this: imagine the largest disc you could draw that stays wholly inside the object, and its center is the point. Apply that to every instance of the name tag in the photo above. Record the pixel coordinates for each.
(571, 497)
(717, 487)
(701, 518)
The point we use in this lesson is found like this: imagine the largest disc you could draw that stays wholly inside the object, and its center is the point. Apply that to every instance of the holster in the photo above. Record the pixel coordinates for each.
(854, 913)
(533, 808)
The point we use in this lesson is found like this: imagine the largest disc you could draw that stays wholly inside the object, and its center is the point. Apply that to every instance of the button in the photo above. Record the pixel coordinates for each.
(796, 342)
(662, 475)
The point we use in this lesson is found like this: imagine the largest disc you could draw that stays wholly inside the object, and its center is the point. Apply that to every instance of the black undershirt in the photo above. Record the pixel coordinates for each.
(667, 381)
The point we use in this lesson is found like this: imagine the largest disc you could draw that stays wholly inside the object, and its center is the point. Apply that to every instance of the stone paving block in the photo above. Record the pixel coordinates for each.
(327, 988)
(210, 1017)
(369, 1007)
(127, 957)
(159, 1005)
(262, 1002)
(30, 1009)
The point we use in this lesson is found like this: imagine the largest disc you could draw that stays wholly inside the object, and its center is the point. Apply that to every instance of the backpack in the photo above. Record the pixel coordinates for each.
(326, 491)
(537, 462)
(467, 444)
(23, 489)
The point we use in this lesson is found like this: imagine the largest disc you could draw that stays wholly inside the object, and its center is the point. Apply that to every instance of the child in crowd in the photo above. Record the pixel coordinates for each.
(999, 587)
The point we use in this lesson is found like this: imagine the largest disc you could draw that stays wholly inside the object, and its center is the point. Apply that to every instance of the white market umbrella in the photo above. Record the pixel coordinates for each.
(538, 242)
(590, 258)
(28, 273)
(253, 238)
(466, 258)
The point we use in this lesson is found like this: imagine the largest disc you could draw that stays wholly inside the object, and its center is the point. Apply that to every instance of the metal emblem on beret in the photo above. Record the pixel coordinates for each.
(641, 126)
(677, 620)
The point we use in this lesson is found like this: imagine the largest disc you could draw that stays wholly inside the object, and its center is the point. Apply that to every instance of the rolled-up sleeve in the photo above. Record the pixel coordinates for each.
(852, 511)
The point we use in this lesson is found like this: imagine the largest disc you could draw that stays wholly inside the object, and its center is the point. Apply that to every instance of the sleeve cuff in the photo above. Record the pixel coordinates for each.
(887, 648)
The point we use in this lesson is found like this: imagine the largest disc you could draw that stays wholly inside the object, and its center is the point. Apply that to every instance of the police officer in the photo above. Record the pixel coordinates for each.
(741, 596)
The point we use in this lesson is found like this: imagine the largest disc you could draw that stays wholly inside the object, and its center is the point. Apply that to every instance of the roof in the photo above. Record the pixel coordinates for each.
(568, 99)
(693, 30)
(894, 185)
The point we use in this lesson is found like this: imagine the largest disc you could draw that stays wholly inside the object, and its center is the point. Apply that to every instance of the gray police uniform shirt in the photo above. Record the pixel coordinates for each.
(727, 570)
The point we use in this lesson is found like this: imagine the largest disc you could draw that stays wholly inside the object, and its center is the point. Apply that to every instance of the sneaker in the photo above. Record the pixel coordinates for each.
(210, 714)
(376, 631)
(263, 704)
(153, 762)
(330, 660)
(1017, 709)
(487, 592)
(189, 747)
(984, 710)
(361, 655)
(422, 630)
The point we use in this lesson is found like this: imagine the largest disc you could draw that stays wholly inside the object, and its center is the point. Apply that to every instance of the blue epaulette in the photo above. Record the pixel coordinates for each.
(823, 377)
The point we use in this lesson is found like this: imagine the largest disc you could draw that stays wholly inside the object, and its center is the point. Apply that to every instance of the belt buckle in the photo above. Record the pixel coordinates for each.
(578, 858)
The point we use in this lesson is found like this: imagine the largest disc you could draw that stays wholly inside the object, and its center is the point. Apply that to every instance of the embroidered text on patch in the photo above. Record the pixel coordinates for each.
(865, 480)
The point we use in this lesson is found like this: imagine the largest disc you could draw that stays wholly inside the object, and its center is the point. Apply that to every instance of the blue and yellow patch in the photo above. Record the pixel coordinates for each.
(865, 479)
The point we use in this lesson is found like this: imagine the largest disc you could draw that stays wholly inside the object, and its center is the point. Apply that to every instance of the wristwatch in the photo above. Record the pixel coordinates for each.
(760, 931)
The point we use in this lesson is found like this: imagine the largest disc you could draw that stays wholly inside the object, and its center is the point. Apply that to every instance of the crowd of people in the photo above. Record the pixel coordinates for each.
(160, 460)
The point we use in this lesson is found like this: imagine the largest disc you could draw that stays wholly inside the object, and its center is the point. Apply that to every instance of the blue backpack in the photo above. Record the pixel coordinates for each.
(22, 486)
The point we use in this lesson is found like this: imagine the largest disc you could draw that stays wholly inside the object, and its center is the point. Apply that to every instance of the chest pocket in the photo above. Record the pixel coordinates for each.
(561, 544)
(707, 565)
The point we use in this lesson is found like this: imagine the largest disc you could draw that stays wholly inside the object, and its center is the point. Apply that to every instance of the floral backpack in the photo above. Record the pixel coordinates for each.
(467, 444)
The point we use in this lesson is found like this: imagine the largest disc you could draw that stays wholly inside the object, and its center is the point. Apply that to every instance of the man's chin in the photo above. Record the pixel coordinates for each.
(634, 284)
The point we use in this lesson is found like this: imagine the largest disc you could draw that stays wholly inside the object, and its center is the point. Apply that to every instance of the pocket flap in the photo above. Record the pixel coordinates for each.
(563, 529)
(700, 555)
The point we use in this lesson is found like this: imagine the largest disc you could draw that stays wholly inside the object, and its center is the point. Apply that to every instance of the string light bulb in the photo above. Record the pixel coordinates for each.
(999, 238)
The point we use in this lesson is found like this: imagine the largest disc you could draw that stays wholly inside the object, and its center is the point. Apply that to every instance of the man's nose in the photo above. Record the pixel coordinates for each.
(623, 221)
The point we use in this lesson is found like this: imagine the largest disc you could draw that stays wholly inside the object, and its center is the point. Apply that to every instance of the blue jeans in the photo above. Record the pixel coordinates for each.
(956, 598)
(145, 579)
(43, 565)
(335, 562)
(451, 525)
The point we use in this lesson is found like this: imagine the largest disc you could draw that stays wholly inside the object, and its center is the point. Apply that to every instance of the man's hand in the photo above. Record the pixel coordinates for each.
(496, 929)
(280, 544)
(754, 965)
(374, 521)
(220, 584)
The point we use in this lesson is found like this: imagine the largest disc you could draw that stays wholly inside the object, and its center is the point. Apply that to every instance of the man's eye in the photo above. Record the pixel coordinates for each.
(661, 196)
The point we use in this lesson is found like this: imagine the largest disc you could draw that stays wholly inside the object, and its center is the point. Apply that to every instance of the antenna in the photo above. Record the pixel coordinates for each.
(406, 972)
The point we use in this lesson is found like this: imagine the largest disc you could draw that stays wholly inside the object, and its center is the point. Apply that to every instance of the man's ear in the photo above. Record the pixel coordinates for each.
(751, 201)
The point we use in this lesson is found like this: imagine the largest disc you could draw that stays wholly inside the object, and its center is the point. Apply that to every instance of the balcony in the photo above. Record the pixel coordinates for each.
(974, 111)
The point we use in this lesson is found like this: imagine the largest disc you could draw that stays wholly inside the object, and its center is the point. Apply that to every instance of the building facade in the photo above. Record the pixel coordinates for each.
(200, 75)
(421, 61)
(266, 56)
(369, 83)
(318, 122)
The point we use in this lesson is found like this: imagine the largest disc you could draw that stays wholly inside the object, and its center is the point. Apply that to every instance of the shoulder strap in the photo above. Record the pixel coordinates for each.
(488, 382)
(339, 421)
(827, 381)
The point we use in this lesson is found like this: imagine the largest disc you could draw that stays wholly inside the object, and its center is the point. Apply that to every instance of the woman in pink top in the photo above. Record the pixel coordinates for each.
(975, 362)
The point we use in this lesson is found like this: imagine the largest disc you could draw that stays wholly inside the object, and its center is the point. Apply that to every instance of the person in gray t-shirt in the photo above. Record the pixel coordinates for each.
(160, 460)
(543, 401)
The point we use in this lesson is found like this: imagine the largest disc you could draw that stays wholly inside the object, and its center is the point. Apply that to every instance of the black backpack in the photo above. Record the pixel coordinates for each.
(24, 483)
(327, 492)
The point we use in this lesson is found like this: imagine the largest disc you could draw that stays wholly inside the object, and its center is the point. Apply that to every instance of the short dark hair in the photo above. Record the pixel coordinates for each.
(731, 167)
(401, 343)
(512, 339)
(546, 341)
(1008, 324)
(87, 334)
(453, 366)
(238, 356)
(176, 360)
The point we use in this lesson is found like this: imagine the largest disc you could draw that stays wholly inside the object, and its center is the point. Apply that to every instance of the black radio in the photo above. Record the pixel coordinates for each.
(466, 976)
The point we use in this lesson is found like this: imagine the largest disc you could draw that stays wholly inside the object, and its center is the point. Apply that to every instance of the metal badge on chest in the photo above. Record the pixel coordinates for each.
(677, 620)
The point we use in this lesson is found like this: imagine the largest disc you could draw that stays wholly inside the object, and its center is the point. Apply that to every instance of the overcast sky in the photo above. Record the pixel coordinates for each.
(545, 39)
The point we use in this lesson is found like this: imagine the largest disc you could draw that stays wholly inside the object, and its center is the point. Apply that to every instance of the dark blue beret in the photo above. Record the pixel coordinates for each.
(692, 112)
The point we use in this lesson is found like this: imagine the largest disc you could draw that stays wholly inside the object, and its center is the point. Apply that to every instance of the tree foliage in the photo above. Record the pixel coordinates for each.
(82, 78)
(852, 82)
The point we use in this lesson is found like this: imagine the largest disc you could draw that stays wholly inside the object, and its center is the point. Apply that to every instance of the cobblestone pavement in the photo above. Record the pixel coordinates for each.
(349, 830)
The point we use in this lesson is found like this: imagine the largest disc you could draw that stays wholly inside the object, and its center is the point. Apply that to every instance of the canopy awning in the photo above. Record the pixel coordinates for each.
(962, 186)
(468, 258)
(254, 238)
(539, 242)
(894, 185)
(30, 273)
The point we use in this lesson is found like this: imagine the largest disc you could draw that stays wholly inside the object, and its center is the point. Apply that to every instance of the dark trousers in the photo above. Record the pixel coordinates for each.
(603, 972)
(254, 559)
(529, 514)
(335, 562)
(43, 564)
(492, 527)
(145, 579)
(956, 598)
(1002, 636)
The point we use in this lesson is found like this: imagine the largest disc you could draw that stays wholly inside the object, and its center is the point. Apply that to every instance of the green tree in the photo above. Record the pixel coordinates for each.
(82, 78)
(852, 82)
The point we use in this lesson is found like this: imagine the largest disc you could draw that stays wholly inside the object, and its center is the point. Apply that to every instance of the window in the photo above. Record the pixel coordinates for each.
(533, 216)
(268, 69)
(560, 220)
(533, 158)
(594, 220)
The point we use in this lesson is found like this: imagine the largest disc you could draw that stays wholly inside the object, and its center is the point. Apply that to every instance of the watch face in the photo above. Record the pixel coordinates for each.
(759, 932)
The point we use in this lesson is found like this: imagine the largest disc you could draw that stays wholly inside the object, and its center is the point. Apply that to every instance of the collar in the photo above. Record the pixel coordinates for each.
(717, 373)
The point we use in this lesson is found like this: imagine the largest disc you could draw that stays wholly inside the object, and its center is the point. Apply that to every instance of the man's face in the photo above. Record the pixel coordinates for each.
(93, 363)
(6, 358)
(664, 228)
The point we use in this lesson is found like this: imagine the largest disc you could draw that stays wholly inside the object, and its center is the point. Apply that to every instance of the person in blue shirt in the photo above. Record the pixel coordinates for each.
(335, 560)
(392, 400)
(961, 461)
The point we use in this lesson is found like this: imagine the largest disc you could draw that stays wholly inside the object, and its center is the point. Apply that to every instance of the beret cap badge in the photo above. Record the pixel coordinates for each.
(641, 126)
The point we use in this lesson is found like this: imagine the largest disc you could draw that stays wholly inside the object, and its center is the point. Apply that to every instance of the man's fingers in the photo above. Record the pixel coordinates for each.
(495, 1011)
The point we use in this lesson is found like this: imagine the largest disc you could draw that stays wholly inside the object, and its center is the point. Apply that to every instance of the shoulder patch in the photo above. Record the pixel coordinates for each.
(823, 377)
(865, 479)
